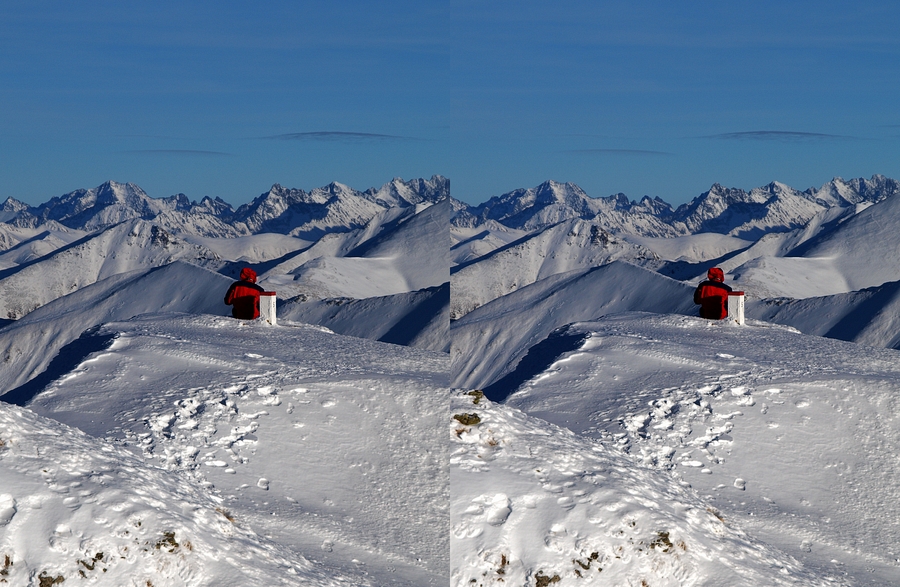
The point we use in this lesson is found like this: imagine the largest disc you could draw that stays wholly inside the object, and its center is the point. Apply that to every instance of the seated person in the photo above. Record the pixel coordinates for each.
(243, 296)
(712, 295)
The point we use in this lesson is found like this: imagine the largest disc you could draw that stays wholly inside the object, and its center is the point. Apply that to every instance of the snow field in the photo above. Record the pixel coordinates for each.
(535, 504)
(84, 509)
(324, 444)
(792, 438)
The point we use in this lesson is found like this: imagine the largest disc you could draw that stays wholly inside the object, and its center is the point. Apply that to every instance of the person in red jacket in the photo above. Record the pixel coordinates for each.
(712, 295)
(243, 296)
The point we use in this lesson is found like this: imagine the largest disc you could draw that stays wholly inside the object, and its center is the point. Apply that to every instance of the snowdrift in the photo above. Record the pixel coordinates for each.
(534, 504)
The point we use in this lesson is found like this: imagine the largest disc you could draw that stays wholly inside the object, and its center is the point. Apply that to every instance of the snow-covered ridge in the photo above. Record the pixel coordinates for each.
(772, 208)
(287, 211)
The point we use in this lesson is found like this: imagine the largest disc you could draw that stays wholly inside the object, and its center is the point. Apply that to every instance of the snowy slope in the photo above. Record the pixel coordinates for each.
(870, 316)
(532, 504)
(419, 246)
(329, 446)
(29, 345)
(77, 509)
(692, 248)
(790, 438)
(488, 343)
(256, 248)
(419, 319)
(839, 251)
(467, 244)
(340, 244)
(400, 251)
(570, 245)
(863, 248)
(22, 245)
(129, 246)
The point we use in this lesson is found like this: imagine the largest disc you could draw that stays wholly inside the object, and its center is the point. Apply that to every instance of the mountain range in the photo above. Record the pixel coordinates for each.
(772, 208)
(329, 243)
(773, 241)
(600, 432)
(335, 207)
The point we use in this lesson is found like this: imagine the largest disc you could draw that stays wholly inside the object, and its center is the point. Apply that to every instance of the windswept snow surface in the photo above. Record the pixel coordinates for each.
(534, 504)
(78, 509)
(29, 346)
(420, 318)
(325, 452)
(791, 440)
(570, 245)
(489, 343)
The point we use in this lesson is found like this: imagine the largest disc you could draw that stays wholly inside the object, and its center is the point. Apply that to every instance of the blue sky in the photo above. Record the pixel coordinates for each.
(644, 98)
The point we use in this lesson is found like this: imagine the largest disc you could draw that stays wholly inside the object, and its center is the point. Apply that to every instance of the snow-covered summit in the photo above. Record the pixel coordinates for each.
(398, 192)
(840, 192)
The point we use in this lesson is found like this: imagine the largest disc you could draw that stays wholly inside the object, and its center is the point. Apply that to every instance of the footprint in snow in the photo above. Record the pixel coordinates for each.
(496, 507)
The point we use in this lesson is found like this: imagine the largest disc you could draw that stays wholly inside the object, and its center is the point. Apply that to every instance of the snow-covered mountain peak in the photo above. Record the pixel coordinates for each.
(840, 192)
(398, 192)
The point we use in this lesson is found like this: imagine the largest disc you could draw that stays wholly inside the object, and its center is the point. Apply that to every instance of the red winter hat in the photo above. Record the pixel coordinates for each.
(248, 274)
(715, 274)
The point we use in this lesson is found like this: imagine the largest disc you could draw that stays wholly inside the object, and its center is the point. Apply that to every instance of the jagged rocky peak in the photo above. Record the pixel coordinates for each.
(656, 206)
(554, 192)
(13, 205)
(840, 192)
(216, 207)
(178, 202)
(111, 192)
(398, 192)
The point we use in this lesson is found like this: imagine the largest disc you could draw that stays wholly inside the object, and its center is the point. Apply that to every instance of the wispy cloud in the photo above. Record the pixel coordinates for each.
(638, 152)
(778, 135)
(336, 136)
(188, 152)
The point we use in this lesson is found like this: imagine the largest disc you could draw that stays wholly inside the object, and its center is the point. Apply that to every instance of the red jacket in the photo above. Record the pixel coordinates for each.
(712, 296)
(243, 296)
